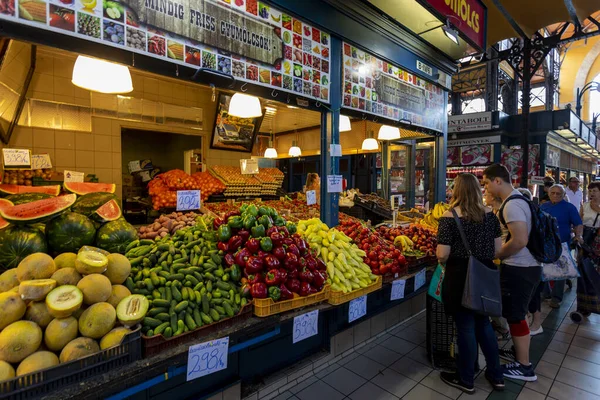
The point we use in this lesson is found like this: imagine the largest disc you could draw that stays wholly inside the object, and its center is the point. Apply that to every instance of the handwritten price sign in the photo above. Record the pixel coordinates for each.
(311, 197)
(41, 161)
(16, 158)
(334, 183)
(420, 279)
(207, 358)
(305, 326)
(398, 287)
(358, 308)
(188, 200)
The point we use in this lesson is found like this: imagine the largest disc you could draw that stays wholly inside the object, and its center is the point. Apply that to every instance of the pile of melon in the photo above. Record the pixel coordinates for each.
(59, 310)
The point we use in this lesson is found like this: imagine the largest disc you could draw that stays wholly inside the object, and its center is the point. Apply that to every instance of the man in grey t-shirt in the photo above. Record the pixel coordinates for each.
(519, 273)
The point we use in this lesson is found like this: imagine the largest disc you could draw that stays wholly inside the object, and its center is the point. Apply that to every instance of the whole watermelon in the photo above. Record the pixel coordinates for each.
(23, 198)
(89, 203)
(17, 242)
(114, 236)
(69, 232)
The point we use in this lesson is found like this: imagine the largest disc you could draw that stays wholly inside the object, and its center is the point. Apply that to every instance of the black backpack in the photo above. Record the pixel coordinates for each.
(544, 239)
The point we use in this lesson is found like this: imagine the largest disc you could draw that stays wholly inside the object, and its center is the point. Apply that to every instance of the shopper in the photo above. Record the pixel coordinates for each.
(574, 194)
(591, 209)
(568, 219)
(520, 272)
(313, 182)
(482, 230)
(548, 182)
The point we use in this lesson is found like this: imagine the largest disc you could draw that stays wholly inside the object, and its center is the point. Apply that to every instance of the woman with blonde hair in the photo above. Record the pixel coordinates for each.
(482, 231)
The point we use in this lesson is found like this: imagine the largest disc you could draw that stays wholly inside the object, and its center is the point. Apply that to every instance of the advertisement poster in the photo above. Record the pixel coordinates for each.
(452, 156)
(377, 87)
(420, 158)
(476, 155)
(398, 159)
(233, 133)
(512, 159)
(248, 39)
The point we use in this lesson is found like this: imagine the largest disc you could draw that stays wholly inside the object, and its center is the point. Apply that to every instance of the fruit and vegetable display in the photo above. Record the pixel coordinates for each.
(25, 176)
(184, 278)
(167, 224)
(163, 188)
(432, 218)
(265, 182)
(59, 310)
(345, 267)
(276, 261)
(413, 240)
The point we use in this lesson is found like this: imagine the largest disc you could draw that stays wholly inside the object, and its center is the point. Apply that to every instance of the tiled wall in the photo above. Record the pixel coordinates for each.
(99, 151)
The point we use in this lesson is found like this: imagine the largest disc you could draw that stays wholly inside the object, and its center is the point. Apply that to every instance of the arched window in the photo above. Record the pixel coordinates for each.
(594, 99)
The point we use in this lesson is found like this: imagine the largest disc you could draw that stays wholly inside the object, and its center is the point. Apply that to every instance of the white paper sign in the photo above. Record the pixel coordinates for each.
(73, 176)
(249, 166)
(398, 289)
(16, 158)
(311, 197)
(536, 180)
(357, 309)
(420, 279)
(334, 183)
(305, 326)
(188, 200)
(41, 161)
(206, 358)
(335, 150)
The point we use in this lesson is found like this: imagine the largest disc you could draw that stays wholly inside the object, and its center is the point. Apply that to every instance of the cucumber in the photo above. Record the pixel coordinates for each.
(150, 333)
(197, 317)
(189, 321)
(161, 303)
(223, 285)
(206, 318)
(151, 322)
(176, 293)
(213, 314)
(174, 322)
(181, 306)
(180, 328)
(228, 309)
(156, 310)
(168, 332)
(205, 305)
(160, 329)
(220, 310)
(163, 317)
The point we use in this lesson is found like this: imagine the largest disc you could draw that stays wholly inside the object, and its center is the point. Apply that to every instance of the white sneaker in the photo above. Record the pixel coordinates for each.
(537, 331)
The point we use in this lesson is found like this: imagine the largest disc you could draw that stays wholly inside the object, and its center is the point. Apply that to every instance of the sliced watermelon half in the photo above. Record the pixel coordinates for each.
(110, 211)
(81, 188)
(6, 189)
(37, 211)
(4, 204)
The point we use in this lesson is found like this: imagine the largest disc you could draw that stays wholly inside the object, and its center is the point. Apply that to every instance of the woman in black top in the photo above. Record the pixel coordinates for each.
(483, 233)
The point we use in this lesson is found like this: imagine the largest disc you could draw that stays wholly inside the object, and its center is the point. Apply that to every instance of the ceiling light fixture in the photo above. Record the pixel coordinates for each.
(295, 151)
(450, 32)
(244, 106)
(101, 76)
(345, 125)
(387, 132)
(271, 152)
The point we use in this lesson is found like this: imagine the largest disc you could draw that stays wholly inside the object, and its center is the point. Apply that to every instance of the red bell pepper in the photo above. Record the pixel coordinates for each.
(293, 273)
(306, 275)
(253, 245)
(235, 242)
(272, 277)
(312, 290)
(321, 266)
(288, 241)
(291, 261)
(256, 278)
(283, 275)
(262, 254)
(304, 289)
(302, 263)
(294, 249)
(286, 294)
(300, 243)
(271, 230)
(276, 238)
(217, 222)
(223, 247)
(319, 279)
(279, 252)
(284, 231)
(245, 235)
(259, 291)
(229, 260)
(231, 214)
(241, 257)
(246, 288)
(293, 285)
(271, 261)
(254, 265)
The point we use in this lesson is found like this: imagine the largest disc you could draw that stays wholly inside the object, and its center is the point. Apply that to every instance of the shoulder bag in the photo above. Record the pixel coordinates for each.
(482, 286)
(589, 232)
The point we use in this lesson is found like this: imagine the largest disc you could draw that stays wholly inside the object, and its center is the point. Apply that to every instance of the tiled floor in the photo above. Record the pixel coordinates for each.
(566, 355)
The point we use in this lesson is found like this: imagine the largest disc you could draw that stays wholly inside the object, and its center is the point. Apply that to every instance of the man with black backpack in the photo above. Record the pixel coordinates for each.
(525, 248)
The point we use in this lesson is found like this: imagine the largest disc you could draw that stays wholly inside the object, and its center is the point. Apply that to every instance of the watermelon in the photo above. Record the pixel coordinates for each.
(38, 211)
(23, 198)
(17, 242)
(69, 232)
(82, 188)
(114, 236)
(6, 189)
(89, 203)
(108, 212)
(4, 204)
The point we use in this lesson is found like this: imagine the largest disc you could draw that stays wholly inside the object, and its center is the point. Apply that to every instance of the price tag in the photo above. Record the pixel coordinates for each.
(311, 197)
(334, 183)
(249, 166)
(398, 289)
(420, 279)
(73, 176)
(305, 326)
(188, 200)
(16, 158)
(335, 150)
(206, 358)
(41, 161)
(357, 309)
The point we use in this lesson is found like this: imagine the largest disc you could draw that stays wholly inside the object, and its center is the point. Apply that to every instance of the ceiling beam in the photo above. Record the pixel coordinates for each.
(509, 18)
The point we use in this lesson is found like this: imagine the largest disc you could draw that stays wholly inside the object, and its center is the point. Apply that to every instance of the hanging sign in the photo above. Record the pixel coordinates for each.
(249, 166)
(398, 287)
(73, 176)
(357, 308)
(335, 150)
(41, 161)
(468, 16)
(206, 358)
(188, 200)
(305, 326)
(311, 197)
(470, 122)
(16, 158)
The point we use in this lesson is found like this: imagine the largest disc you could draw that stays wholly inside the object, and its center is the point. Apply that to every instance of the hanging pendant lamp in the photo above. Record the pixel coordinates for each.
(295, 151)
(345, 125)
(387, 132)
(101, 76)
(244, 106)
(370, 143)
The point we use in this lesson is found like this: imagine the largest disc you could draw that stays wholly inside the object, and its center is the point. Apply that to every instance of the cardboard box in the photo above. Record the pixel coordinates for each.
(147, 176)
(130, 192)
(127, 180)
(139, 165)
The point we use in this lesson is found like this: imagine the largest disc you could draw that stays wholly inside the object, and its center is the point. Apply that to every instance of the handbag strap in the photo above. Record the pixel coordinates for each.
(462, 232)
(596, 220)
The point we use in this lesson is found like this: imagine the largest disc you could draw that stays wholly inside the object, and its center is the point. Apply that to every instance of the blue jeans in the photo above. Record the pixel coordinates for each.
(474, 329)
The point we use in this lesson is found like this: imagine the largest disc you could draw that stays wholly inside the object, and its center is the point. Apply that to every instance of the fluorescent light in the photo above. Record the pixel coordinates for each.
(270, 110)
(345, 125)
(294, 150)
(450, 33)
(244, 106)
(101, 76)
(387, 132)
(370, 144)
(271, 152)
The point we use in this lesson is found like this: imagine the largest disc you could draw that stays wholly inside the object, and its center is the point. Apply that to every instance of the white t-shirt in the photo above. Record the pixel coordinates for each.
(589, 216)
(575, 198)
(518, 211)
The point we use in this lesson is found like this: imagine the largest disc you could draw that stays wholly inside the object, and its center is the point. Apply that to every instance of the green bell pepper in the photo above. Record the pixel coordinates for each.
(258, 231)
(262, 210)
(265, 221)
(273, 212)
(252, 210)
(274, 293)
(235, 222)
(266, 244)
(278, 221)
(291, 227)
(243, 208)
(224, 233)
(249, 222)
(236, 273)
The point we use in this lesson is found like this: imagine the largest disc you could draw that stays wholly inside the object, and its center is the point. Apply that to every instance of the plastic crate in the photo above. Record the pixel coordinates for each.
(266, 307)
(441, 336)
(336, 297)
(40, 383)
(355, 212)
(157, 343)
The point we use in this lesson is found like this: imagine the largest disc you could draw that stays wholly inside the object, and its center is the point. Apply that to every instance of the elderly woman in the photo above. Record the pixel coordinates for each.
(568, 219)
